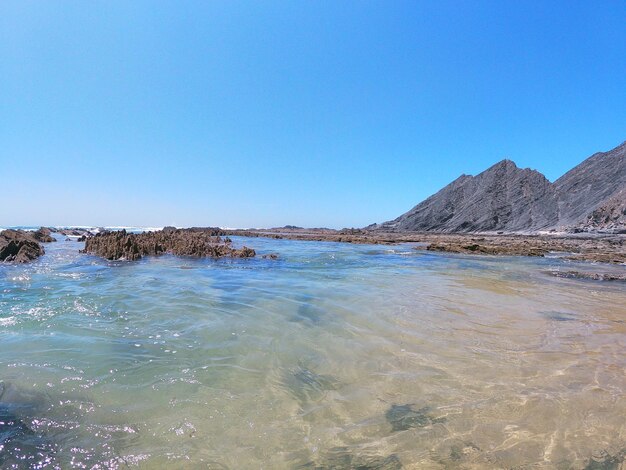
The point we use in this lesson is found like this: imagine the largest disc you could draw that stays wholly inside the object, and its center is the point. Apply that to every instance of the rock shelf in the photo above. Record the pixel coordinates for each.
(200, 243)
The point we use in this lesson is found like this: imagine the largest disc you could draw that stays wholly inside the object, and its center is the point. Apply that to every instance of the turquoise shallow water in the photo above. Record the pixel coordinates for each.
(332, 356)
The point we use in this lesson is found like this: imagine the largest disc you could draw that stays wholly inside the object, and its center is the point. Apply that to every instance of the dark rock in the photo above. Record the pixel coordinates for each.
(403, 417)
(18, 246)
(605, 461)
(487, 249)
(593, 276)
(182, 242)
(20, 446)
(308, 313)
(213, 231)
(307, 386)
(43, 235)
(560, 316)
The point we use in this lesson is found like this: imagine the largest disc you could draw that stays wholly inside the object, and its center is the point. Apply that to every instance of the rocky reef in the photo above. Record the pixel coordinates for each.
(602, 248)
(196, 242)
(592, 276)
(43, 235)
(19, 246)
(605, 249)
(76, 232)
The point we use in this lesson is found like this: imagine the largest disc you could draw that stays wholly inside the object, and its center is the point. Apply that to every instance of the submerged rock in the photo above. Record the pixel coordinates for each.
(485, 248)
(605, 461)
(344, 458)
(403, 417)
(308, 313)
(593, 276)
(20, 446)
(182, 242)
(18, 246)
(559, 316)
(308, 386)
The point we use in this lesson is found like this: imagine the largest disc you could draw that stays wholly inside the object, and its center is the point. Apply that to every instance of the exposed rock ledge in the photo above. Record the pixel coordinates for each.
(43, 235)
(200, 243)
(593, 276)
(18, 246)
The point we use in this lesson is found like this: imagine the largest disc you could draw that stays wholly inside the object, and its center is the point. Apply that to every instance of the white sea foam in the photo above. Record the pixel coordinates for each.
(7, 321)
(130, 228)
(97, 229)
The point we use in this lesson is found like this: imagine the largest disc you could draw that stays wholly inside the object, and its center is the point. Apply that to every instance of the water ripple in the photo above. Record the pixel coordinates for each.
(335, 356)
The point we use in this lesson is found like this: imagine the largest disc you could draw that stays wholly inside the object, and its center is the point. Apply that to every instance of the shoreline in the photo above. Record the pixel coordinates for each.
(594, 247)
(597, 248)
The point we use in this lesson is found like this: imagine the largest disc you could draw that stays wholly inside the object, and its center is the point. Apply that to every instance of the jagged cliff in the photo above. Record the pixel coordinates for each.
(610, 215)
(506, 198)
(599, 181)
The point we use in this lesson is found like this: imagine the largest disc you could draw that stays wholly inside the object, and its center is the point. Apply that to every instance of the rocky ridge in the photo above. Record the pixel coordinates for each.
(603, 248)
(590, 197)
(43, 235)
(610, 216)
(598, 181)
(19, 246)
(194, 242)
(504, 197)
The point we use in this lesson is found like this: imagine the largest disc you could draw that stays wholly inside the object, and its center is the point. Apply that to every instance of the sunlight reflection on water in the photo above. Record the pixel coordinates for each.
(332, 356)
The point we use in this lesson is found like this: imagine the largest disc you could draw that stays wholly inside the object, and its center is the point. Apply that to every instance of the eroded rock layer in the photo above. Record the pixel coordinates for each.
(589, 197)
(195, 242)
(503, 197)
(18, 246)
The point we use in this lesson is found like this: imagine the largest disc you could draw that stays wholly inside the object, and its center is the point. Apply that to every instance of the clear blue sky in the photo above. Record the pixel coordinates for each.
(317, 113)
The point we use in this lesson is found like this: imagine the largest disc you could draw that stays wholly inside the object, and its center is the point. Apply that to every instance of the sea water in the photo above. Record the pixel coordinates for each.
(331, 356)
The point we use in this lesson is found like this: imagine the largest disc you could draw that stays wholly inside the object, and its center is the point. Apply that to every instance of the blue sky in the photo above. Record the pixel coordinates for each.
(317, 113)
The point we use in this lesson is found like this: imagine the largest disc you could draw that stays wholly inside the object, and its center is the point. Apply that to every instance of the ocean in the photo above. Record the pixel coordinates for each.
(331, 356)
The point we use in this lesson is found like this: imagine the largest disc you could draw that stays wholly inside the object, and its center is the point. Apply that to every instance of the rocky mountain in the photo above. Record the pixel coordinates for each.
(597, 182)
(610, 215)
(591, 196)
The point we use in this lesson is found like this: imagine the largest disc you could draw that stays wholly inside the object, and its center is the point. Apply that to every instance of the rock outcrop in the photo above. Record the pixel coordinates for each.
(591, 196)
(503, 197)
(18, 246)
(182, 242)
(81, 233)
(610, 216)
(596, 182)
(43, 235)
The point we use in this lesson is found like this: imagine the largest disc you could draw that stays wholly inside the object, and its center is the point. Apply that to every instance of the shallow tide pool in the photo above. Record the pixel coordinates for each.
(332, 356)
